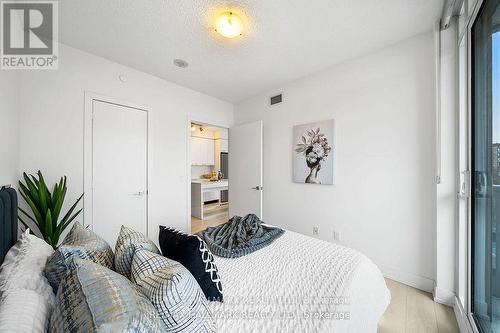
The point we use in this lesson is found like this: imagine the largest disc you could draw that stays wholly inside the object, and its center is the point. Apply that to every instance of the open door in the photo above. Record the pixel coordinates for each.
(245, 165)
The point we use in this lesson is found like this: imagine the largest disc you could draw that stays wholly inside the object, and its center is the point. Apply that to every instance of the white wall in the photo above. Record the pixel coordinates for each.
(9, 128)
(384, 199)
(52, 110)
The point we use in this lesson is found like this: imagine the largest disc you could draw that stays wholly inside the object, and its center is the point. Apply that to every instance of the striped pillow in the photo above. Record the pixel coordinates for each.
(173, 291)
(93, 298)
(128, 241)
(80, 242)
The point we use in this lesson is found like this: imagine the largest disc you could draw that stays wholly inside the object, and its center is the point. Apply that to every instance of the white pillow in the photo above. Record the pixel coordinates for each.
(24, 311)
(23, 268)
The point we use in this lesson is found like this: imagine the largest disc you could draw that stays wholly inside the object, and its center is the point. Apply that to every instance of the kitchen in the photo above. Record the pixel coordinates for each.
(209, 176)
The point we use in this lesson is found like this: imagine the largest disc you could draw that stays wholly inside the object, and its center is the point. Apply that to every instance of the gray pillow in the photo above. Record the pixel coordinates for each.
(93, 298)
(82, 243)
(129, 240)
(174, 292)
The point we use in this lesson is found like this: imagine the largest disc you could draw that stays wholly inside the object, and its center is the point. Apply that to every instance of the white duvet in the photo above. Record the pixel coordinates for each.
(300, 284)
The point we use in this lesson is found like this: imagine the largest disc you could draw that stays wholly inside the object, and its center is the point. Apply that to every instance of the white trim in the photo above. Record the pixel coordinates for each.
(461, 316)
(412, 280)
(88, 153)
(443, 296)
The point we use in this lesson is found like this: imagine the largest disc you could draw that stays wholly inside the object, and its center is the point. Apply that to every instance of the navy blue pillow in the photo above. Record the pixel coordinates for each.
(192, 252)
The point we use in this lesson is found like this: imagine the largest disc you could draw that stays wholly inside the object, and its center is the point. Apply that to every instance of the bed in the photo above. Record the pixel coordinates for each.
(300, 284)
(296, 284)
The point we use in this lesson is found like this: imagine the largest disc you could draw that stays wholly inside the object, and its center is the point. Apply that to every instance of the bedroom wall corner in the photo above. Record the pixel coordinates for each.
(9, 127)
(384, 198)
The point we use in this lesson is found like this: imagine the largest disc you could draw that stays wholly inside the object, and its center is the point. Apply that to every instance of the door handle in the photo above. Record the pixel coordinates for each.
(258, 188)
(138, 194)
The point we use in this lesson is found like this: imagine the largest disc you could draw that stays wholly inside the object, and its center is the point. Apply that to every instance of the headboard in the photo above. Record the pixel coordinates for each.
(8, 220)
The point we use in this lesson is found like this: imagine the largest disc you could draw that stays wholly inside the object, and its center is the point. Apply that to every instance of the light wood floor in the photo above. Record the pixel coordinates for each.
(413, 310)
(214, 215)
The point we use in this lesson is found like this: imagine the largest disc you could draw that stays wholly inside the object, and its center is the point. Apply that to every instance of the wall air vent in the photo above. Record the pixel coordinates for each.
(276, 99)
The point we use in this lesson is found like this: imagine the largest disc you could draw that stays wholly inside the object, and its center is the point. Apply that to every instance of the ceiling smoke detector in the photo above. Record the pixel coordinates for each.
(180, 63)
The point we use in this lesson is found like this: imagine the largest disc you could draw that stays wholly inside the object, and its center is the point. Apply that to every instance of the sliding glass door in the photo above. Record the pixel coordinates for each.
(485, 137)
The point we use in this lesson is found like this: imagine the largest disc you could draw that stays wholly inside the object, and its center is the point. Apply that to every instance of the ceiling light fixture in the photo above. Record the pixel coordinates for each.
(229, 25)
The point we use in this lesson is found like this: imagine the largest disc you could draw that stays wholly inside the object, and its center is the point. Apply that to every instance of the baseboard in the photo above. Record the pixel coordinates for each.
(443, 296)
(412, 280)
(462, 320)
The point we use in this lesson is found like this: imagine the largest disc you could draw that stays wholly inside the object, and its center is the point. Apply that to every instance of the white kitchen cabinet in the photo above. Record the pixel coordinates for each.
(202, 151)
(208, 152)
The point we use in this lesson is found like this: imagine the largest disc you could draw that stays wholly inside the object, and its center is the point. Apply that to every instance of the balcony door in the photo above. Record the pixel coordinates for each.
(485, 137)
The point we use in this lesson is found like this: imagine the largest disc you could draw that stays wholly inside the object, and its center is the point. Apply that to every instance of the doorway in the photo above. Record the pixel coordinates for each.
(116, 167)
(210, 198)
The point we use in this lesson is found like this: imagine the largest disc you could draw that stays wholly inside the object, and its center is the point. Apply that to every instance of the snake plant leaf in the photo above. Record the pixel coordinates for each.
(45, 189)
(68, 214)
(48, 223)
(27, 215)
(24, 223)
(33, 207)
(43, 198)
(32, 189)
(58, 202)
(67, 223)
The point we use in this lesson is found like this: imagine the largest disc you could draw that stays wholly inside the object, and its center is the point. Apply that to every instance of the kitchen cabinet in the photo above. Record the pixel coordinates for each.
(203, 189)
(202, 151)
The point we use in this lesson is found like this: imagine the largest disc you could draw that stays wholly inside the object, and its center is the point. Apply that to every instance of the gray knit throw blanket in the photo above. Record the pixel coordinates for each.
(240, 236)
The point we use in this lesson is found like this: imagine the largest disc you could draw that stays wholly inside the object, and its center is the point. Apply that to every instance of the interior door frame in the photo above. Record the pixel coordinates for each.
(194, 119)
(88, 153)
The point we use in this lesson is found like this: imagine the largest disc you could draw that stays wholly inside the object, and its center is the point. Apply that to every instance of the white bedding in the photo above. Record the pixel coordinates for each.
(297, 284)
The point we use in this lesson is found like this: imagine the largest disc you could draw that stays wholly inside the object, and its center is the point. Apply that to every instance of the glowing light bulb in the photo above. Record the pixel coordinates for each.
(229, 25)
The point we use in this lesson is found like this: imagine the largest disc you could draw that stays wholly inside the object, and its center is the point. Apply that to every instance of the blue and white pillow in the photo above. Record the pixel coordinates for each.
(173, 291)
(82, 243)
(93, 298)
(128, 241)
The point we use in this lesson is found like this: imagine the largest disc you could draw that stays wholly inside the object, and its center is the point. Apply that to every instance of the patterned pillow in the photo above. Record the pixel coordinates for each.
(192, 252)
(80, 242)
(23, 267)
(128, 241)
(25, 311)
(93, 298)
(173, 291)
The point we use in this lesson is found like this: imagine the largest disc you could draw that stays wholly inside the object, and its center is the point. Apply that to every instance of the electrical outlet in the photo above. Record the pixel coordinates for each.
(336, 236)
(315, 231)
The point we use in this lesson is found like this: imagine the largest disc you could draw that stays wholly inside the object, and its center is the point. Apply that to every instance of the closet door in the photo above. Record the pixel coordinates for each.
(119, 169)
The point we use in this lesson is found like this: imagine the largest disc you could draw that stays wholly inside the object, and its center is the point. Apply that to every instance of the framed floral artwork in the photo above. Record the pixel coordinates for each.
(313, 153)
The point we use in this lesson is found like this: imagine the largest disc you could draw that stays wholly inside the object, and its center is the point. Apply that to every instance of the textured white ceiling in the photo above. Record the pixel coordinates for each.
(285, 39)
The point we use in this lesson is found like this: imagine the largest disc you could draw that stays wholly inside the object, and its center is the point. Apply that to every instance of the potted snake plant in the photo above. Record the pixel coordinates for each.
(46, 207)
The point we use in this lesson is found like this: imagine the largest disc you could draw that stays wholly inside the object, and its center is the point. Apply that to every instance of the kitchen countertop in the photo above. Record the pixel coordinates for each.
(221, 182)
